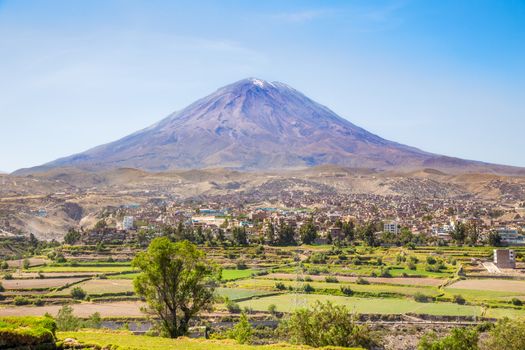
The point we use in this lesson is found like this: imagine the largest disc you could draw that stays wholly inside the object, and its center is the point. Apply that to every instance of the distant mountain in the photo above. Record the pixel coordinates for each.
(253, 125)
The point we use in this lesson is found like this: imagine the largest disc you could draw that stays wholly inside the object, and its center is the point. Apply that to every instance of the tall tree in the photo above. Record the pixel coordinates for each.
(286, 235)
(308, 232)
(177, 282)
(459, 233)
(239, 236)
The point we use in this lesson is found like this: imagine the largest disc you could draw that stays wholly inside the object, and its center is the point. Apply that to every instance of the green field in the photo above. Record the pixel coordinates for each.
(287, 302)
(80, 268)
(229, 275)
(99, 287)
(362, 288)
(126, 341)
(239, 293)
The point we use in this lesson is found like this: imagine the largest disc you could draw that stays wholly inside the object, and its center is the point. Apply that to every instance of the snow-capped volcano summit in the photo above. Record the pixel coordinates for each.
(254, 124)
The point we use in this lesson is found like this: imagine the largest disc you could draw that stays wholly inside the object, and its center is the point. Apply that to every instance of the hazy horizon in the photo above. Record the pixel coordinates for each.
(447, 77)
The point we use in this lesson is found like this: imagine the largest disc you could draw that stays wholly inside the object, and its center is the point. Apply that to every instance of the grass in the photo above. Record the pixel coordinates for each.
(230, 275)
(26, 331)
(239, 293)
(82, 268)
(100, 287)
(287, 302)
(361, 288)
(127, 341)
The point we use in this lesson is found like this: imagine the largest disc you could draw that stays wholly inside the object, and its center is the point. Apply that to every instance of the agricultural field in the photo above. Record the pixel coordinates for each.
(129, 341)
(439, 281)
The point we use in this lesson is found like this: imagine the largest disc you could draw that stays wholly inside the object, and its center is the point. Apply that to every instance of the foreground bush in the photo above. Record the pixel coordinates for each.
(326, 324)
(507, 334)
(459, 339)
(32, 332)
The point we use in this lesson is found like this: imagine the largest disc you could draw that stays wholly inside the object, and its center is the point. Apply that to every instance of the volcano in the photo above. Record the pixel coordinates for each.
(254, 124)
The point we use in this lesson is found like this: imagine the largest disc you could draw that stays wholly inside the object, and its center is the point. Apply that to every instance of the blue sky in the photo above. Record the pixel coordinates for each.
(445, 76)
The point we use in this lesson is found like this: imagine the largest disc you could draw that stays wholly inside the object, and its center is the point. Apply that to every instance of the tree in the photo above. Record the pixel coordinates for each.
(78, 293)
(66, 321)
(367, 234)
(72, 236)
(459, 339)
(269, 233)
(326, 324)
(348, 230)
(286, 235)
(459, 233)
(242, 332)
(239, 236)
(507, 334)
(308, 232)
(494, 239)
(177, 282)
(472, 232)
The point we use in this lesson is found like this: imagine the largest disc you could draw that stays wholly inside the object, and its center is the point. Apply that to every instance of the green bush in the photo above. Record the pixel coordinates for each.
(458, 299)
(232, 307)
(78, 293)
(242, 331)
(307, 288)
(506, 334)
(280, 286)
(361, 280)
(459, 339)
(421, 298)
(26, 331)
(331, 279)
(516, 302)
(347, 291)
(20, 300)
(66, 321)
(326, 324)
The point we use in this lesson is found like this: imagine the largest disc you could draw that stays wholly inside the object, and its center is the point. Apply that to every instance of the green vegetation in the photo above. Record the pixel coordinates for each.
(176, 281)
(26, 331)
(325, 324)
(127, 341)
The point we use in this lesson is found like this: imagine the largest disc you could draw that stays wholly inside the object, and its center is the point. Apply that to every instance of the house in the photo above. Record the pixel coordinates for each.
(505, 258)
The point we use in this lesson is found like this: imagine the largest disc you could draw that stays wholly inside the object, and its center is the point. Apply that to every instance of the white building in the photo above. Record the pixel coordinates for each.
(128, 222)
(391, 227)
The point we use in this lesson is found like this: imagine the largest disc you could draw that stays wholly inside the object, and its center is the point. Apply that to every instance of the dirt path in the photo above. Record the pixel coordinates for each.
(115, 309)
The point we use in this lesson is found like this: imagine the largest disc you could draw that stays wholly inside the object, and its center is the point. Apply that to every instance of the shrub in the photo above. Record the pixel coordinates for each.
(421, 298)
(458, 299)
(347, 291)
(26, 264)
(20, 300)
(233, 307)
(326, 325)
(506, 334)
(280, 286)
(459, 339)
(66, 321)
(331, 279)
(307, 288)
(308, 279)
(411, 265)
(361, 280)
(8, 276)
(38, 302)
(272, 308)
(241, 265)
(242, 332)
(2, 289)
(94, 321)
(4, 265)
(26, 332)
(516, 302)
(78, 293)
(431, 260)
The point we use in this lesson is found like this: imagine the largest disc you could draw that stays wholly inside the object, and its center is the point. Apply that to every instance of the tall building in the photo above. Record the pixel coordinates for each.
(391, 227)
(505, 258)
(128, 222)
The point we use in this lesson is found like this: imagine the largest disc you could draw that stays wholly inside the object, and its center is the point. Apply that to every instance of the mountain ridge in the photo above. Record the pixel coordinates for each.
(254, 124)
